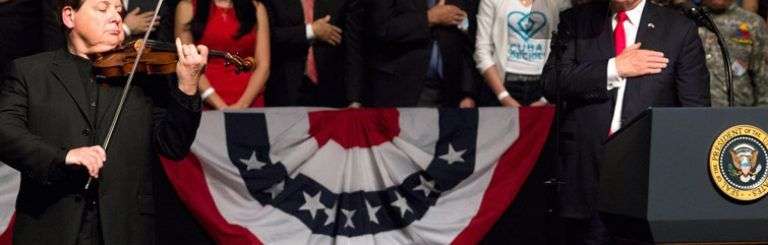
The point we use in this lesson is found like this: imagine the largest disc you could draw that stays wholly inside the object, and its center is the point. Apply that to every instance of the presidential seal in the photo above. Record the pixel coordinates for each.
(738, 161)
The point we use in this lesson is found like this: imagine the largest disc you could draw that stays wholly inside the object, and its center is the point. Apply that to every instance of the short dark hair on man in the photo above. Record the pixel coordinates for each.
(73, 3)
(60, 4)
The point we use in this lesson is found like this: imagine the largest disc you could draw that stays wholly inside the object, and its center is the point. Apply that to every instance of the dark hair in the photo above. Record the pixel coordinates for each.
(73, 3)
(60, 4)
(244, 10)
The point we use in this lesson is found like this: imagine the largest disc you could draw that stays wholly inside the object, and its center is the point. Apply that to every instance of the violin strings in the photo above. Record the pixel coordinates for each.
(172, 47)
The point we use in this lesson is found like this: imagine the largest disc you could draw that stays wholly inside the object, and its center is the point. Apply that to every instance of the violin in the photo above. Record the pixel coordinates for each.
(158, 58)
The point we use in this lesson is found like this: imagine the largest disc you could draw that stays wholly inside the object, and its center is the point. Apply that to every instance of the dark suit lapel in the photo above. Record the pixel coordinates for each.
(422, 4)
(296, 9)
(67, 74)
(646, 31)
(602, 25)
(321, 10)
(647, 35)
(457, 3)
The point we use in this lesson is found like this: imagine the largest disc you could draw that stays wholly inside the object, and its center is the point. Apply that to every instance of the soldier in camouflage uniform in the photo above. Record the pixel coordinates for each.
(747, 38)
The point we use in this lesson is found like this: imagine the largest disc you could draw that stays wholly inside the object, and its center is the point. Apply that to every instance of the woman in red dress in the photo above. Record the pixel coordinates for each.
(239, 27)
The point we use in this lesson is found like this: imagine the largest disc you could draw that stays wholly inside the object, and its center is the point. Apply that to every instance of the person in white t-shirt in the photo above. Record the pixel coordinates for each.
(512, 46)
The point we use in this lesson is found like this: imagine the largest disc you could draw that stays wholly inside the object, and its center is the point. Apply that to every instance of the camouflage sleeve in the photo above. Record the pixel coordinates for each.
(759, 64)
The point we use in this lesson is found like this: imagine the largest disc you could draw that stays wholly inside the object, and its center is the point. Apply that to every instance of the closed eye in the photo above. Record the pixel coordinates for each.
(102, 6)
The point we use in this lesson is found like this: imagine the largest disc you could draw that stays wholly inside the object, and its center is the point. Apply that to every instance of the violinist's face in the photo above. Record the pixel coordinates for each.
(96, 26)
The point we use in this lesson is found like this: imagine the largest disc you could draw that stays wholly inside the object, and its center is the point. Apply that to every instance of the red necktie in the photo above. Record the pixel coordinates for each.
(311, 70)
(619, 38)
(619, 43)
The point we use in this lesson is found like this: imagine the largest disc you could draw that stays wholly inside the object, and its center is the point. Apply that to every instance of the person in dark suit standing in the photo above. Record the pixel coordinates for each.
(617, 59)
(308, 51)
(53, 114)
(354, 52)
(418, 54)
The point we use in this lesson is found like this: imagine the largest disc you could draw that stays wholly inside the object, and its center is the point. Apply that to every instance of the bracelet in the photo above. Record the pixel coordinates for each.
(502, 95)
(207, 93)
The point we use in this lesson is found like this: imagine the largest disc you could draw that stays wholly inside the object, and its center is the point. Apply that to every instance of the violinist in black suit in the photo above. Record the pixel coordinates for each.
(54, 113)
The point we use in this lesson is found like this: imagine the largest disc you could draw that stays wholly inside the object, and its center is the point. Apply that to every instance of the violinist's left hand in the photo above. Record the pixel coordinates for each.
(191, 65)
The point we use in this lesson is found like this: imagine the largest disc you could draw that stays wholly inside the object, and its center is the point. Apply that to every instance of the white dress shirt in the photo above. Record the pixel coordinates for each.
(631, 26)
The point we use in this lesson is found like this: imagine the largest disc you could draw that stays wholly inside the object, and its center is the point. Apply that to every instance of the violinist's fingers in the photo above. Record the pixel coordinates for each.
(185, 51)
(190, 51)
(179, 51)
(153, 26)
(134, 12)
(203, 53)
(194, 57)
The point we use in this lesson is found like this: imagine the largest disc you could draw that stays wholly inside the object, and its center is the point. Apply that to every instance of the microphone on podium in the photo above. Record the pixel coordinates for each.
(700, 15)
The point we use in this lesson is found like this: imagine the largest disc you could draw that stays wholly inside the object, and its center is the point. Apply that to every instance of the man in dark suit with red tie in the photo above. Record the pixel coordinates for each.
(617, 59)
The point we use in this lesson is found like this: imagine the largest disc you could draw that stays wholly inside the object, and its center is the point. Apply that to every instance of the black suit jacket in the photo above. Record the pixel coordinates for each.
(586, 105)
(397, 41)
(287, 85)
(45, 111)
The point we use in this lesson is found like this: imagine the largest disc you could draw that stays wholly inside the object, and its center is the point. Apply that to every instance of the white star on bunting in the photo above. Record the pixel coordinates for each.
(349, 214)
(331, 215)
(453, 156)
(252, 163)
(401, 204)
(425, 186)
(276, 189)
(312, 204)
(372, 212)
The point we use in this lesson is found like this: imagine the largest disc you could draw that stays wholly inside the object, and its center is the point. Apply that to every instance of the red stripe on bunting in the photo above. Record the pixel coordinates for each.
(510, 173)
(355, 127)
(189, 181)
(7, 237)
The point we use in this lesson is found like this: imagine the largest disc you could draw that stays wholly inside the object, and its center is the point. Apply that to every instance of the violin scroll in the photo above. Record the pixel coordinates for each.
(241, 64)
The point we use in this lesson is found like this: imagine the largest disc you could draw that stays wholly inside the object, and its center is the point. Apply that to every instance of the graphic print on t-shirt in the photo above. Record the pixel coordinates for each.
(525, 35)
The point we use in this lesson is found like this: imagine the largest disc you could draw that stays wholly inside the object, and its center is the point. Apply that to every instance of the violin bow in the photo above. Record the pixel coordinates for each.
(127, 87)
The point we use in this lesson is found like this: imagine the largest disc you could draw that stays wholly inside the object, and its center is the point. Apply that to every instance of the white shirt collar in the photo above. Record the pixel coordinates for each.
(635, 14)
